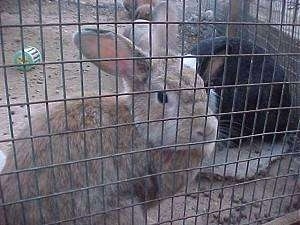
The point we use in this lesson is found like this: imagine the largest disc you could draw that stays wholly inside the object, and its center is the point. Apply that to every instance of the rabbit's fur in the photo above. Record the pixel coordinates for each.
(162, 40)
(77, 176)
(211, 70)
(140, 9)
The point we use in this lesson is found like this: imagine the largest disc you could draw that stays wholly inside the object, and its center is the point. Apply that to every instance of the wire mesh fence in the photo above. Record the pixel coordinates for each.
(149, 112)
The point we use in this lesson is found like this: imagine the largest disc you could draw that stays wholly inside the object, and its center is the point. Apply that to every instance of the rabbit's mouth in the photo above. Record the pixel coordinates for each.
(193, 150)
(171, 155)
(168, 154)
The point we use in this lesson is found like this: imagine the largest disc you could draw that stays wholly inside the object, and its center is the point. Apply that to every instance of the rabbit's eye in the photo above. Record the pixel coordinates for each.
(162, 97)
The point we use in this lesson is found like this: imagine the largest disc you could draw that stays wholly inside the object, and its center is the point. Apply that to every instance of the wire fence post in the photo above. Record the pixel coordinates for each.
(297, 95)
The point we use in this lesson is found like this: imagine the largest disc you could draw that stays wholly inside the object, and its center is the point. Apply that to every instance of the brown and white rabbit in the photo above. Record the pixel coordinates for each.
(97, 160)
(140, 9)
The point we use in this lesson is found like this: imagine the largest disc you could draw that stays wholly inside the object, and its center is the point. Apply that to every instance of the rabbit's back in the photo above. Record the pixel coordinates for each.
(265, 72)
(60, 170)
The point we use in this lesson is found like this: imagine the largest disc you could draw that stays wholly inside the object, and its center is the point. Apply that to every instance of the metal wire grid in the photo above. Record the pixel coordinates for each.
(82, 98)
(255, 38)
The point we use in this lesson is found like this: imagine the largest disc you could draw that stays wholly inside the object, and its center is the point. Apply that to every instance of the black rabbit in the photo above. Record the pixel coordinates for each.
(242, 70)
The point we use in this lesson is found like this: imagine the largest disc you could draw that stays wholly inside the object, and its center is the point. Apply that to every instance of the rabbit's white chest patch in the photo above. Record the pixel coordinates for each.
(190, 62)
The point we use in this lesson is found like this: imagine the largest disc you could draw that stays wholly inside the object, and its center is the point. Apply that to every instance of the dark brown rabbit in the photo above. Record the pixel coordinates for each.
(99, 163)
(267, 94)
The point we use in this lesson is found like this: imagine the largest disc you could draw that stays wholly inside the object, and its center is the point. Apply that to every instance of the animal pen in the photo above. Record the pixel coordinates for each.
(149, 112)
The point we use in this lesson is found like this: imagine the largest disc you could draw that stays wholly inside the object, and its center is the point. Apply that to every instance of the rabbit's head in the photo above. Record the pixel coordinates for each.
(168, 105)
(211, 67)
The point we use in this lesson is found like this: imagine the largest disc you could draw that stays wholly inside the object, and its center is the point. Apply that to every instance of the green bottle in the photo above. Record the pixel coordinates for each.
(31, 56)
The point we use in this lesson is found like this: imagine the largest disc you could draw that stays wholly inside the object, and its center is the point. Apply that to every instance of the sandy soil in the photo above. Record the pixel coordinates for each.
(255, 200)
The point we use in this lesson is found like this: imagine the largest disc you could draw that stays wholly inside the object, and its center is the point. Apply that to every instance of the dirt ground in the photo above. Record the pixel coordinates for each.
(214, 199)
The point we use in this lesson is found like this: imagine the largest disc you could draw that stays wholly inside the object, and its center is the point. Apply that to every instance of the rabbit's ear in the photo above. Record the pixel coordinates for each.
(165, 35)
(220, 44)
(209, 66)
(213, 46)
(108, 46)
